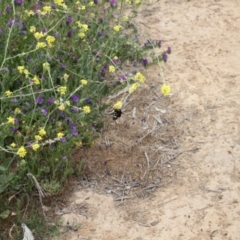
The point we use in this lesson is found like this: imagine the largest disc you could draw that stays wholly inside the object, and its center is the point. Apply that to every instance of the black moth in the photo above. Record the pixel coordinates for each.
(117, 114)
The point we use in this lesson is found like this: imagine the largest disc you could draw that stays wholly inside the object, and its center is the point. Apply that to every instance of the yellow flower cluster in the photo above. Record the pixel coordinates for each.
(59, 2)
(35, 146)
(133, 87)
(62, 105)
(22, 152)
(38, 35)
(111, 69)
(20, 69)
(36, 80)
(83, 82)
(17, 111)
(11, 120)
(42, 132)
(86, 109)
(117, 28)
(83, 29)
(65, 76)
(62, 90)
(50, 40)
(139, 77)
(118, 105)
(38, 138)
(32, 29)
(8, 93)
(41, 45)
(13, 145)
(46, 9)
(29, 13)
(46, 66)
(60, 135)
(165, 89)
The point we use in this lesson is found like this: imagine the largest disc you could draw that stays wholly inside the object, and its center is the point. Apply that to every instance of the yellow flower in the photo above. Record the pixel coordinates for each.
(117, 28)
(83, 82)
(29, 13)
(11, 120)
(118, 105)
(41, 45)
(138, 1)
(81, 34)
(65, 77)
(61, 107)
(38, 137)
(67, 103)
(38, 35)
(139, 77)
(56, 102)
(86, 109)
(42, 132)
(20, 69)
(82, 8)
(84, 27)
(22, 152)
(59, 2)
(62, 90)
(46, 65)
(13, 145)
(17, 110)
(8, 93)
(133, 87)
(46, 9)
(35, 146)
(32, 29)
(165, 89)
(111, 69)
(91, 3)
(26, 72)
(60, 135)
(36, 80)
(129, 1)
(125, 18)
(50, 40)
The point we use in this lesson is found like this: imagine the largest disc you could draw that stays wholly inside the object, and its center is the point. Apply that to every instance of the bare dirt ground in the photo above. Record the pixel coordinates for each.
(177, 174)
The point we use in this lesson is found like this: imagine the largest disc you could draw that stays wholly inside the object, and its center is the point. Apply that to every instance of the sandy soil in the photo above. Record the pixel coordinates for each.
(201, 197)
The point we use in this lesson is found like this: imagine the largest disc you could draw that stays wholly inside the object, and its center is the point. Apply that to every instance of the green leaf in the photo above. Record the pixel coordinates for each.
(5, 214)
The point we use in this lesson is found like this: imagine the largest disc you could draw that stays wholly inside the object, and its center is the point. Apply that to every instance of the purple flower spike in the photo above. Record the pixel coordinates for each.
(10, 22)
(50, 101)
(8, 9)
(122, 78)
(169, 50)
(39, 100)
(69, 20)
(144, 62)
(159, 43)
(165, 57)
(44, 111)
(88, 100)
(63, 139)
(113, 3)
(75, 98)
(69, 34)
(19, 2)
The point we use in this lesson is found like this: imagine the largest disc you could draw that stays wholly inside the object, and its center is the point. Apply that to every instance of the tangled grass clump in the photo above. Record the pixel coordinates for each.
(59, 59)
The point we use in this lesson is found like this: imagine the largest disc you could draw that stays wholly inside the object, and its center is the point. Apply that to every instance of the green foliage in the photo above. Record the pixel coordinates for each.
(58, 61)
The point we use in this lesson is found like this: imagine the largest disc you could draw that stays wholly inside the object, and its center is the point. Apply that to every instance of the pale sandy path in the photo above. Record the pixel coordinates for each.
(204, 71)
